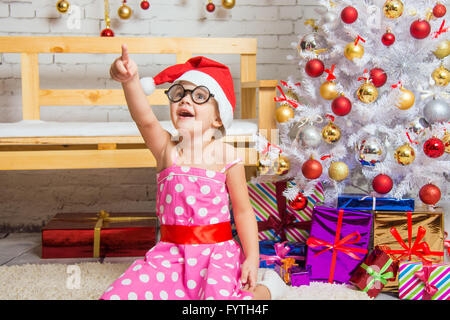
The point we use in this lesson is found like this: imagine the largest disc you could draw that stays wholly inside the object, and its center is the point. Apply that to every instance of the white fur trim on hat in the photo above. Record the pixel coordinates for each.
(148, 84)
(203, 79)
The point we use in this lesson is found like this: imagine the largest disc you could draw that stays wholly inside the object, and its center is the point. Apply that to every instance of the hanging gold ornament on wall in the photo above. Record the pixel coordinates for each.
(441, 76)
(331, 133)
(62, 6)
(443, 49)
(405, 154)
(393, 9)
(328, 90)
(367, 92)
(284, 113)
(228, 4)
(124, 11)
(338, 170)
(406, 99)
(353, 51)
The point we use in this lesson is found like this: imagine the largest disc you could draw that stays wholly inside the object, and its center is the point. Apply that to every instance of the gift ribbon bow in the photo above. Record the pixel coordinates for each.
(338, 245)
(418, 248)
(359, 38)
(288, 263)
(293, 103)
(424, 276)
(364, 74)
(440, 31)
(330, 72)
(281, 251)
(381, 276)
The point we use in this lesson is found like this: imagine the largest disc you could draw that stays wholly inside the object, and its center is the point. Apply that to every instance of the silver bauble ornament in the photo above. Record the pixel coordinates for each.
(418, 126)
(312, 42)
(309, 136)
(437, 110)
(331, 20)
(370, 151)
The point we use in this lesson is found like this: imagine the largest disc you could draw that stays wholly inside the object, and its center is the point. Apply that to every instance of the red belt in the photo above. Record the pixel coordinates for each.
(211, 233)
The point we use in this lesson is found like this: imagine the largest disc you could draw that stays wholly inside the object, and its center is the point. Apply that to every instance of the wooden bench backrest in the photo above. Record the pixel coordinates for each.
(33, 97)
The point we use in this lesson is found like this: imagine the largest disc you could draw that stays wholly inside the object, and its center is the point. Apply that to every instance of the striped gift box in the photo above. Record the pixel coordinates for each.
(264, 201)
(412, 288)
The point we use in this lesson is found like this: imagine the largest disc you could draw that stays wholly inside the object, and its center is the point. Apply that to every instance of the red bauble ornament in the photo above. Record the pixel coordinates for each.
(341, 106)
(430, 194)
(439, 10)
(434, 147)
(299, 203)
(349, 15)
(314, 68)
(145, 4)
(378, 77)
(210, 7)
(382, 183)
(312, 169)
(107, 33)
(420, 29)
(388, 39)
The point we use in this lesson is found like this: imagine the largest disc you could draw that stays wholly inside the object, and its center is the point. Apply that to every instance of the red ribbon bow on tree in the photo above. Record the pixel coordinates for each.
(331, 76)
(359, 38)
(284, 98)
(441, 30)
(424, 276)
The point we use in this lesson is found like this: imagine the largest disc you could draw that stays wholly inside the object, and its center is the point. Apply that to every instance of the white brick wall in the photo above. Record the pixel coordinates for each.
(31, 197)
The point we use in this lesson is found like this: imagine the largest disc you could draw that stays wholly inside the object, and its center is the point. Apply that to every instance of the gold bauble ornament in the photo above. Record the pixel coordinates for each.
(262, 169)
(393, 9)
(328, 90)
(228, 4)
(441, 76)
(351, 51)
(367, 93)
(406, 99)
(290, 95)
(331, 133)
(405, 155)
(443, 49)
(281, 166)
(446, 141)
(284, 113)
(338, 170)
(62, 6)
(124, 11)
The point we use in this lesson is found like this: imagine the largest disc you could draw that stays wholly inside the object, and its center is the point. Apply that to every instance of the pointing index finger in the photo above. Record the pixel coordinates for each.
(125, 57)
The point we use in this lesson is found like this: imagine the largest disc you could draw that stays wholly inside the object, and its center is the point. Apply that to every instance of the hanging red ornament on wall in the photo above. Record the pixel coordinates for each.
(349, 15)
(312, 169)
(341, 106)
(314, 68)
(210, 7)
(388, 38)
(107, 33)
(430, 194)
(439, 10)
(378, 77)
(145, 4)
(299, 203)
(382, 183)
(420, 29)
(434, 147)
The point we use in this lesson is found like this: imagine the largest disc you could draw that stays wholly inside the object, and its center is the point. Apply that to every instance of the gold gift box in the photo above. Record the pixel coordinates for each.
(431, 221)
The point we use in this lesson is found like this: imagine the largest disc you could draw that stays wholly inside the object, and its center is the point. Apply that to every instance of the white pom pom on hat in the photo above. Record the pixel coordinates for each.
(202, 72)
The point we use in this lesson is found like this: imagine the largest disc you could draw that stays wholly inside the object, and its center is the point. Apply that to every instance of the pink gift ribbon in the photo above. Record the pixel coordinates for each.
(424, 275)
(281, 251)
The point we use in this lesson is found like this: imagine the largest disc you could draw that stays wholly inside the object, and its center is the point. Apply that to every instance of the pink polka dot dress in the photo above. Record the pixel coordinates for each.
(186, 196)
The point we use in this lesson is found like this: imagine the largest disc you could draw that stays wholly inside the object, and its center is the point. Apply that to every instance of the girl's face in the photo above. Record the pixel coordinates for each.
(186, 113)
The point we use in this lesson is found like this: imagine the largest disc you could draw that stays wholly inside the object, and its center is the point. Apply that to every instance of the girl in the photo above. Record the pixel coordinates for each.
(196, 257)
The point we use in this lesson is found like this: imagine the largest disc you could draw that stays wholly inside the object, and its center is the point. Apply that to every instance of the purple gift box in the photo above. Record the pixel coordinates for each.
(337, 244)
(298, 276)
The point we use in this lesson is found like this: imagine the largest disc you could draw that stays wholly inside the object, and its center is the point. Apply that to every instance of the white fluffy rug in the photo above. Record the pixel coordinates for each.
(60, 282)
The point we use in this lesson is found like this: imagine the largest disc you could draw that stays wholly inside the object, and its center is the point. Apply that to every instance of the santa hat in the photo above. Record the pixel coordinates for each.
(201, 71)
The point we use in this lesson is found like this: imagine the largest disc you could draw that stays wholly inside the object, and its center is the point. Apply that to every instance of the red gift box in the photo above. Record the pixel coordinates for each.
(93, 235)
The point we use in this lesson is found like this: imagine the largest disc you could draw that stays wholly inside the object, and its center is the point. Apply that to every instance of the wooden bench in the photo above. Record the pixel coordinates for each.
(32, 144)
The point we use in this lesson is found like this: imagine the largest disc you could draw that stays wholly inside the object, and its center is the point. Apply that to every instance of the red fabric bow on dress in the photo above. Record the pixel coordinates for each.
(424, 276)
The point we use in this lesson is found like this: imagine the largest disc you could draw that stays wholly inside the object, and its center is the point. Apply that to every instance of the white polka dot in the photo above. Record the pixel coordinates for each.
(217, 256)
(210, 298)
(161, 209)
(168, 198)
(193, 179)
(229, 265)
(174, 276)
(163, 295)
(137, 267)
(190, 200)
(203, 272)
(205, 189)
(170, 176)
(166, 263)
(210, 173)
(185, 169)
(216, 200)
(222, 189)
(179, 211)
(206, 252)
(181, 260)
(144, 278)
(151, 264)
(179, 187)
(191, 284)
(215, 266)
(225, 278)
(192, 261)
(224, 209)
(220, 244)
(179, 293)
(202, 212)
(247, 298)
(114, 297)
(160, 276)
(109, 289)
(211, 281)
(161, 186)
(126, 282)
(148, 295)
(214, 220)
(132, 296)
(158, 256)
(229, 254)
(163, 220)
(174, 250)
(224, 292)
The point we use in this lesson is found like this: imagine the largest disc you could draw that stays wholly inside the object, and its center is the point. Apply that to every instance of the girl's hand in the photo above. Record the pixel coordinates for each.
(123, 69)
(249, 273)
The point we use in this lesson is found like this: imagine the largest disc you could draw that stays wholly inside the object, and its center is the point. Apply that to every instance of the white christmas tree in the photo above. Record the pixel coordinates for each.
(370, 94)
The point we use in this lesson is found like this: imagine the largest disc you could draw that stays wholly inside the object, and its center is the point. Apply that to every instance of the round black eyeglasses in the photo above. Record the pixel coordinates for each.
(200, 94)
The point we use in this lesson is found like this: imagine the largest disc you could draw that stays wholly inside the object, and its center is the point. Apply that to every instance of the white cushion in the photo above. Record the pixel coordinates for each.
(39, 128)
